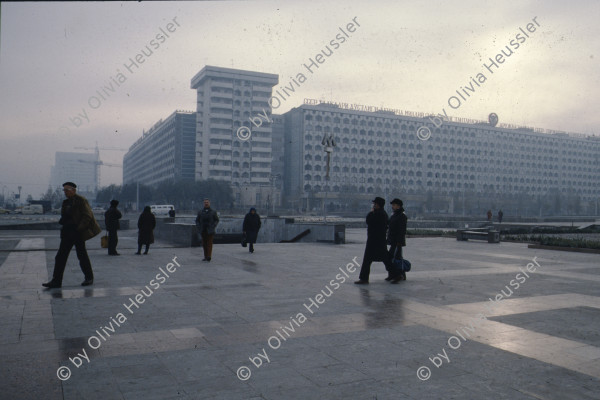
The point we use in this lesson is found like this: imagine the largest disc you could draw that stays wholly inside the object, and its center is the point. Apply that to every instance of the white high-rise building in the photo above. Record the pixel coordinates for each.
(80, 168)
(228, 99)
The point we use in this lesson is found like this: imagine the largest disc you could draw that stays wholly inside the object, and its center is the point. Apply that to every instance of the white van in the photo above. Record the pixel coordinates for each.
(33, 209)
(161, 209)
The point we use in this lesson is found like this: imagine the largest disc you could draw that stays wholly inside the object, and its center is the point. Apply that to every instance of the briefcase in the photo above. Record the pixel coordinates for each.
(104, 241)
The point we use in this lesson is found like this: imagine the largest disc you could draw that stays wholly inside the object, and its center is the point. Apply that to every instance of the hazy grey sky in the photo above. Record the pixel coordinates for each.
(405, 55)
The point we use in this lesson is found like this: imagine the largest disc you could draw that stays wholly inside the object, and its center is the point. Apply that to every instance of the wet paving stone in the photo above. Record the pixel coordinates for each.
(282, 323)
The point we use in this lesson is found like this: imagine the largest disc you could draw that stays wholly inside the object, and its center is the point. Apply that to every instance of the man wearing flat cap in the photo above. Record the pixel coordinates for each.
(111, 220)
(376, 249)
(397, 234)
(206, 224)
(78, 225)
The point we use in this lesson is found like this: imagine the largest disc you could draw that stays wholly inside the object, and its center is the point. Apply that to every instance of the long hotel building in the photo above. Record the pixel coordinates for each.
(378, 153)
(165, 152)
(374, 152)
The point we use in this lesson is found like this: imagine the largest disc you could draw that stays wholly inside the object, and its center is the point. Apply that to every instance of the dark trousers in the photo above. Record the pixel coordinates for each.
(393, 249)
(113, 239)
(68, 239)
(365, 269)
(207, 244)
(398, 255)
(140, 248)
(251, 248)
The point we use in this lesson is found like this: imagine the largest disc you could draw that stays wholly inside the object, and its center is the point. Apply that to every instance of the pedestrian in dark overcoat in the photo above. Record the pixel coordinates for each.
(78, 226)
(251, 227)
(111, 220)
(376, 248)
(146, 224)
(397, 235)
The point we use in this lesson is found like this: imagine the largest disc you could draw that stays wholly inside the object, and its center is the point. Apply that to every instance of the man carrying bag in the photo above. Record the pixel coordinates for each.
(397, 239)
(78, 225)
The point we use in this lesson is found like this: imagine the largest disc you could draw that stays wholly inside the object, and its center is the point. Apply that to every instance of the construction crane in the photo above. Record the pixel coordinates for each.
(97, 149)
(99, 162)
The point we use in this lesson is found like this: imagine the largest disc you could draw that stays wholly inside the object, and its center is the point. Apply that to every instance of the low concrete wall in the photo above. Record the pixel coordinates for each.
(51, 225)
(273, 230)
(318, 233)
(36, 226)
(180, 234)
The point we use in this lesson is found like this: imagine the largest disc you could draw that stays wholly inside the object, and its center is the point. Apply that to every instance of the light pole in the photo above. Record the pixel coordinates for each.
(328, 143)
(273, 179)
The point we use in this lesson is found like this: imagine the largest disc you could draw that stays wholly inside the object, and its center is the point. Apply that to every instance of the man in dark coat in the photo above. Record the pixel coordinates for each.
(251, 227)
(78, 225)
(206, 223)
(376, 249)
(111, 220)
(397, 236)
(146, 224)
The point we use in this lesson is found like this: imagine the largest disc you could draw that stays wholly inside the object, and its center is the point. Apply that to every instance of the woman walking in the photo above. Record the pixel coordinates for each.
(146, 224)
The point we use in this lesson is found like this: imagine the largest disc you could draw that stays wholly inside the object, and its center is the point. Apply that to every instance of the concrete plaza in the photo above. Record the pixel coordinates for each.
(288, 323)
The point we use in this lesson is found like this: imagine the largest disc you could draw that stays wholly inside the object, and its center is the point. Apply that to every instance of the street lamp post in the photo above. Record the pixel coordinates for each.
(328, 143)
(273, 179)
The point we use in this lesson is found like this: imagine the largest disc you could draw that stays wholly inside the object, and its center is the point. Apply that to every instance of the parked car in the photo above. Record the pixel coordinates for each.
(4, 211)
(98, 210)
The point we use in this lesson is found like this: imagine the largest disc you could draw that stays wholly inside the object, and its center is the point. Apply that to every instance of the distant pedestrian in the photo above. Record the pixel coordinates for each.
(500, 215)
(206, 223)
(111, 220)
(146, 224)
(78, 225)
(489, 215)
(376, 248)
(172, 213)
(251, 227)
(397, 236)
